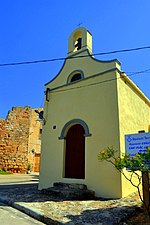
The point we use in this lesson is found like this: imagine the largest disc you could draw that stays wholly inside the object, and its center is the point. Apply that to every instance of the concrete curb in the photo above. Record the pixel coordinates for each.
(29, 212)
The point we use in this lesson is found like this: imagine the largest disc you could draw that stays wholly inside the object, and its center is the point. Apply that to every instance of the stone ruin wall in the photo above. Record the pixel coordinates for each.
(34, 140)
(14, 139)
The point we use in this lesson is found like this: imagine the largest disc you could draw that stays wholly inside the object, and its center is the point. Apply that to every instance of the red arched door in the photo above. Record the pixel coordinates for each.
(75, 153)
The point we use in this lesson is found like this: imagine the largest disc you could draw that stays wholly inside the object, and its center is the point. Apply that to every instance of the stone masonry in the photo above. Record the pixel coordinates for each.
(20, 139)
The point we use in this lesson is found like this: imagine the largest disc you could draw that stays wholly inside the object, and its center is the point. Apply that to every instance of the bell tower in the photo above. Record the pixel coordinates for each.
(79, 41)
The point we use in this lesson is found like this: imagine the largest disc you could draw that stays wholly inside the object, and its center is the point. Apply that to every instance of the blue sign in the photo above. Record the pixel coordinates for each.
(137, 143)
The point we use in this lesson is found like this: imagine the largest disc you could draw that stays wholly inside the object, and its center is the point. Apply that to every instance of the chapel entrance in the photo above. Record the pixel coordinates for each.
(75, 153)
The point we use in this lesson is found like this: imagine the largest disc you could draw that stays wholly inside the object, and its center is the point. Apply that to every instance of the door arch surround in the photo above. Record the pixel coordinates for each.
(71, 123)
(74, 133)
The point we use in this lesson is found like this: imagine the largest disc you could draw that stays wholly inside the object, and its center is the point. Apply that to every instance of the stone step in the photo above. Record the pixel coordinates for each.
(70, 186)
(71, 191)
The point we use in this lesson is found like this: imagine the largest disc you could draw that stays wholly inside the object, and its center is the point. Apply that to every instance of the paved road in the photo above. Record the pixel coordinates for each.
(19, 178)
(11, 216)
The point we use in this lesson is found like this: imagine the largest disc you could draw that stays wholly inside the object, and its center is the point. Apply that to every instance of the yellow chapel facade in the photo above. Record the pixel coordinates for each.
(90, 104)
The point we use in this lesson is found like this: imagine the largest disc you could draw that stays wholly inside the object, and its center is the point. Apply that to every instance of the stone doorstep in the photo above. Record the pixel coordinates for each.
(70, 185)
(70, 191)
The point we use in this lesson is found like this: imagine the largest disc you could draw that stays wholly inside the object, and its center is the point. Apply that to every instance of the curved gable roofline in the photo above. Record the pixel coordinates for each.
(75, 55)
(105, 61)
(58, 73)
(81, 56)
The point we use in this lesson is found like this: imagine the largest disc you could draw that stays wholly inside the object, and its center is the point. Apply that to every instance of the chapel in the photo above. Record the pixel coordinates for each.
(89, 105)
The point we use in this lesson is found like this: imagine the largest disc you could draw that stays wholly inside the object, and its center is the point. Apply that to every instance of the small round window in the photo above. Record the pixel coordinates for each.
(76, 77)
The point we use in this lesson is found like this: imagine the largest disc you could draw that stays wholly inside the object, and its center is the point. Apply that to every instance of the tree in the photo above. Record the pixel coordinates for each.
(139, 162)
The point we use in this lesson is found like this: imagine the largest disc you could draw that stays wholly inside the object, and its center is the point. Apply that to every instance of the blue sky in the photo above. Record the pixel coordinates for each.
(39, 29)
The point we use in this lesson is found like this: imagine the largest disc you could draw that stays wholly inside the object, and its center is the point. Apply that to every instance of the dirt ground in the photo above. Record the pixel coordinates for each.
(139, 218)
